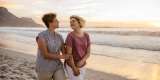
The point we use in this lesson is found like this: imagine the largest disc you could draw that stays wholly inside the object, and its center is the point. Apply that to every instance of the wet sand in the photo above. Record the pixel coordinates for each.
(21, 66)
(134, 70)
(17, 65)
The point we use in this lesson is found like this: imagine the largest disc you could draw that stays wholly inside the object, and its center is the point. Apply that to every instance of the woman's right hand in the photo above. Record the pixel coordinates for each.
(76, 72)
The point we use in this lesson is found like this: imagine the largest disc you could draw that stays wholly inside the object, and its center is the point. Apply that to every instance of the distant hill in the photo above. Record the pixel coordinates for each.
(8, 19)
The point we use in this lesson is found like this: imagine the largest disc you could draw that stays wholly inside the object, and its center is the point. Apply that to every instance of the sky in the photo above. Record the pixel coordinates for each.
(96, 12)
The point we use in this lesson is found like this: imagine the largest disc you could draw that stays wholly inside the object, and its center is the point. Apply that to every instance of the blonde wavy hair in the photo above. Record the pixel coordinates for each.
(80, 20)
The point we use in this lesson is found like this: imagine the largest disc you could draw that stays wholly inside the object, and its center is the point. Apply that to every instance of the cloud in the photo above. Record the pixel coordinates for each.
(91, 10)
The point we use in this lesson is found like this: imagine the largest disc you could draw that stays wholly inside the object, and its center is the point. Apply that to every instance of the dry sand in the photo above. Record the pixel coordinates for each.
(16, 66)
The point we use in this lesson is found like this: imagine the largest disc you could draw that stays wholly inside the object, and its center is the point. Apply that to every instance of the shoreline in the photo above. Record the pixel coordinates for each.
(21, 66)
(106, 67)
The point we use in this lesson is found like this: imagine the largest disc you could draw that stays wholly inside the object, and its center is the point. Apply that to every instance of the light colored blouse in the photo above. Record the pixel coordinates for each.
(54, 42)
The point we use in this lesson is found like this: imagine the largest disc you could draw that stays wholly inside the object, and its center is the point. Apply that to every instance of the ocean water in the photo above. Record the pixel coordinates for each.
(134, 38)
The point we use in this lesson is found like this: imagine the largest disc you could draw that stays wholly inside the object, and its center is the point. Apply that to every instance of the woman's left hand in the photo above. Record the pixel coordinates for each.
(80, 63)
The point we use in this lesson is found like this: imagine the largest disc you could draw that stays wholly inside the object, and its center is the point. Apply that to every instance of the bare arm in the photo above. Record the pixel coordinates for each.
(43, 48)
(71, 61)
(63, 49)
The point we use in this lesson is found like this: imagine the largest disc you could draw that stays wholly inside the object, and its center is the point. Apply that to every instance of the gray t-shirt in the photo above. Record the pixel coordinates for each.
(54, 43)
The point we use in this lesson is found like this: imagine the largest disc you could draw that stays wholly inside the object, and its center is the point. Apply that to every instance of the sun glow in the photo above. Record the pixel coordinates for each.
(155, 24)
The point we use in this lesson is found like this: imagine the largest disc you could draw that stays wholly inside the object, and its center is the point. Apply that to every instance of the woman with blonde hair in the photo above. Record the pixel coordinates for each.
(77, 45)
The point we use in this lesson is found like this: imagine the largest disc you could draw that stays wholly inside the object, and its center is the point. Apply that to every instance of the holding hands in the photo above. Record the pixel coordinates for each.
(65, 56)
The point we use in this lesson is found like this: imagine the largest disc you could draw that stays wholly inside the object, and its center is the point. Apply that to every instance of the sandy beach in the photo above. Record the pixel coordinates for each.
(18, 54)
(16, 66)
(21, 66)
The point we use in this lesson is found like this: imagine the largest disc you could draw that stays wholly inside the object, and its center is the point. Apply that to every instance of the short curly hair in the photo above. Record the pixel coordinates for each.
(47, 18)
(80, 20)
